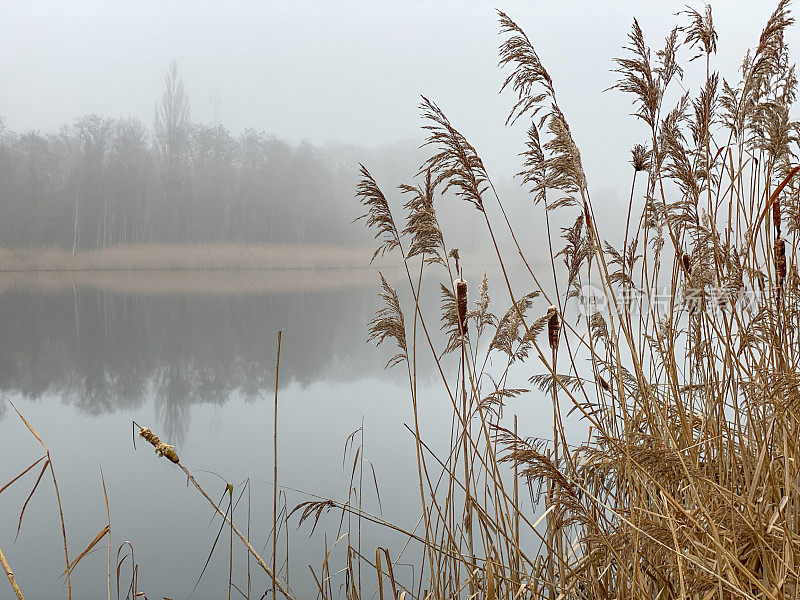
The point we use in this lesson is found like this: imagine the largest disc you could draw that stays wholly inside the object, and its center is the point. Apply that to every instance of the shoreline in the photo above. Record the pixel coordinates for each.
(188, 257)
(186, 281)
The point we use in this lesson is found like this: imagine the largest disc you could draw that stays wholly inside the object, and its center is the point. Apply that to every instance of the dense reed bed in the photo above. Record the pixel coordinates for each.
(674, 354)
(677, 350)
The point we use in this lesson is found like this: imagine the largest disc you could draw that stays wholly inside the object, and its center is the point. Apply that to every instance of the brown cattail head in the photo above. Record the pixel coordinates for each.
(780, 259)
(776, 216)
(587, 217)
(461, 299)
(553, 327)
(162, 449)
(687, 263)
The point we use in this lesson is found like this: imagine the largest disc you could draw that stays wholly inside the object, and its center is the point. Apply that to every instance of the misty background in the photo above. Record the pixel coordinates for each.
(244, 122)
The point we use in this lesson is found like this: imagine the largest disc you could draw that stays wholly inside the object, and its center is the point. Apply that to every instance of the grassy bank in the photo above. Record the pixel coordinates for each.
(186, 256)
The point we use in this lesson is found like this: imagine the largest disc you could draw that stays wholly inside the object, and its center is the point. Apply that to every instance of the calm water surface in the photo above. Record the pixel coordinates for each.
(82, 360)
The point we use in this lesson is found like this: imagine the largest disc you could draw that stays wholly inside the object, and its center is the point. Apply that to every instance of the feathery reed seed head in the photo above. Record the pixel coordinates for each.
(640, 158)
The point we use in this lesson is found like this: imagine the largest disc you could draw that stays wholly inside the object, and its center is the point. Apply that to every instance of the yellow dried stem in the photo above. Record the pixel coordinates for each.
(10, 574)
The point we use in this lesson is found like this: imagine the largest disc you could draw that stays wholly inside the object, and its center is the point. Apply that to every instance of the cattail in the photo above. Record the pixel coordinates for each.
(162, 449)
(794, 276)
(780, 259)
(587, 217)
(553, 327)
(776, 216)
(461, 299)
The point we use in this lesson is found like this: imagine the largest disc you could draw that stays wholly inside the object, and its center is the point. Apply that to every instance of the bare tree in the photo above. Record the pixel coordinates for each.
(172, 119)
(172, 136)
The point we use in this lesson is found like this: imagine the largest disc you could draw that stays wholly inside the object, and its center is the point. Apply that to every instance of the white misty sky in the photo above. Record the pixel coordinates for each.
(344, 71)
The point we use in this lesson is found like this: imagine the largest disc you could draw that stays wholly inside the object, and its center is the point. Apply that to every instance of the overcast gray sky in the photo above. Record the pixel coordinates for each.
(341, 71)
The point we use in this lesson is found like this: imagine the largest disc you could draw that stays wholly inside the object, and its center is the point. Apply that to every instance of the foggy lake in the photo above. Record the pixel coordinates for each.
(198, 369)
(81, 362)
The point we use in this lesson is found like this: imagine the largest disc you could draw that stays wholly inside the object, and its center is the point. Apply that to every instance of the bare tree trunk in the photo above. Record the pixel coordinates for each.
(75, 228)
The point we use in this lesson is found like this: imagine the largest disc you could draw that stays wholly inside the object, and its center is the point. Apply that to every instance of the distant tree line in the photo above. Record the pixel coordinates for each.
(106, 181)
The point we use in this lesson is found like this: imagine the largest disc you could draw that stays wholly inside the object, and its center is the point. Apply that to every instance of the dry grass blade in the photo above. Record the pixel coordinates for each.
(48, 463)
(774, 197)
(2, 489)
(100, 535)
(108, 516)
(29, 426)
(28, 499)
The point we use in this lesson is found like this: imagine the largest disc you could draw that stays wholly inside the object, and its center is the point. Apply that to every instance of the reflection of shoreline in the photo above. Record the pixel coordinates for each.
(223, 282)
(113, 340)
(103, 350)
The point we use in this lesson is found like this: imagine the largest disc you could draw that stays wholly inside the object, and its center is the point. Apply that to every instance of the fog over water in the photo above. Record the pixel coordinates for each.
(347, 72)
(243, 123)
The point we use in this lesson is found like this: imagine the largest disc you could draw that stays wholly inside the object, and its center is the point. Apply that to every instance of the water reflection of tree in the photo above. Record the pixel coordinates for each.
(103, 352)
